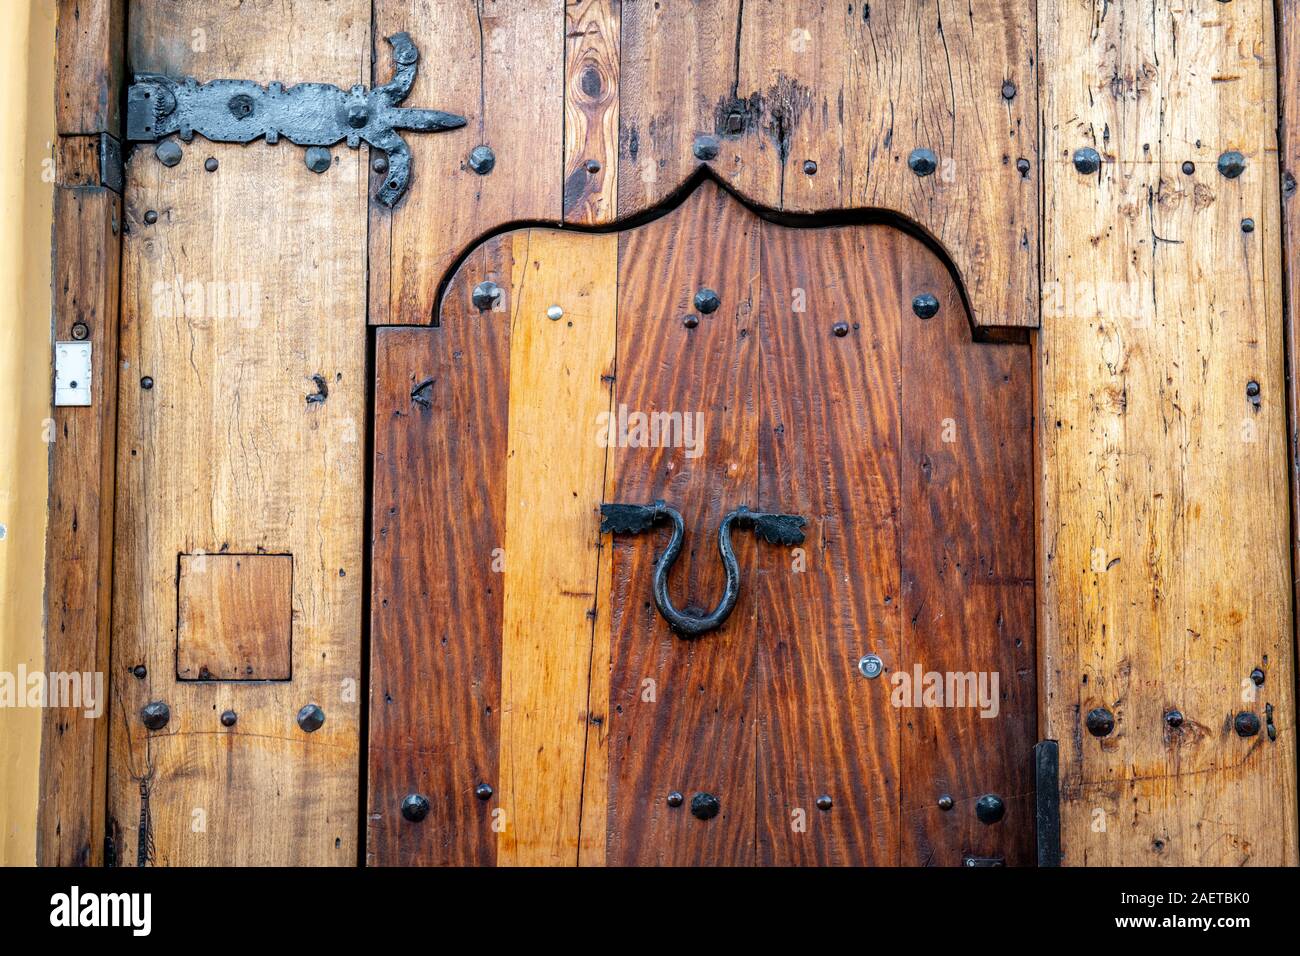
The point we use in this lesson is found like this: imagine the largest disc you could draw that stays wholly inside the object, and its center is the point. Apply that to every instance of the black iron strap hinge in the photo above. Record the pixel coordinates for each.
(307, 114)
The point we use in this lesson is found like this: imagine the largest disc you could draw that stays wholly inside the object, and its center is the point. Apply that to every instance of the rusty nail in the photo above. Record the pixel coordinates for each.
(482, 160)
(415, 807)
(990, 808)
(707, 301)
(1100, 722)
(311, 717)
(155, 715)
(705, 147)
(705, 806)
(1087, 160)
(1232, 164)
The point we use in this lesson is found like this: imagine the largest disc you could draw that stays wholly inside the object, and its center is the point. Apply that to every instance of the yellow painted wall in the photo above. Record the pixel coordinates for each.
(26, 203)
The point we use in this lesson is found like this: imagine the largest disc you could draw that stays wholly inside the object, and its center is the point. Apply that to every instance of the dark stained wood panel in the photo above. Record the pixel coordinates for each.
(697, 734)
(441, 397)
(967, 552)
(828, 443)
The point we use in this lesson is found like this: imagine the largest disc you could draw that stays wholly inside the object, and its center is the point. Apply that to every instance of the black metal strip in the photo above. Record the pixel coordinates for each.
(1047, 794)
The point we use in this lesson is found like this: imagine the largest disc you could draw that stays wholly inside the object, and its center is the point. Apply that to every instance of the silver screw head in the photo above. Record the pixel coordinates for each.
(555, 313)
(871, 666)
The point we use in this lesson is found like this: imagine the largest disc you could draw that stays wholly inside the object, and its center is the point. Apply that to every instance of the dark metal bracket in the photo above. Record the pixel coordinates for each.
(308, 114)
(634, 519)
(1047, 802)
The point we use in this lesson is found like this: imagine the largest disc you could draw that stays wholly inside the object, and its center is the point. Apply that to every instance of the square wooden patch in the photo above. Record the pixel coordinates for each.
(234, 617)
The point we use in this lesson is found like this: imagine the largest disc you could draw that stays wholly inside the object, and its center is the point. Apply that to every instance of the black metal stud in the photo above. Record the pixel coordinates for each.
(211, 164)
(1232, 164)
(80, 331)
(925, 305)
(1174, 719)
(1268, 722)
(155, 715)
(592, 166)
(922, 161)
(1022, 167)
(318, 159)
(1008, 91)
(228, 718)
(1257, 676)
(824, 802)
(311, 717)
(140, 671)
(707, 301)
(485, 295)
(482, 160)
(690, 320)
(146, 383)
(990, 808)
(1087, 160)
(810, 167)
(169, 152)
(379, 164)
(1246, 724)
(415, 807)
(483, 791)
(150, 217)
(705, 806)
(1099, 721)
(945, 802)
(1248, 225)
(1252, 392)
(675, 799)
(840, 329)
(1189, 167)
(705, 147)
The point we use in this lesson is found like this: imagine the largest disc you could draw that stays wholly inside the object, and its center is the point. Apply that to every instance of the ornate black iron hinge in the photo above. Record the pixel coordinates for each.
(634, 519)
(308, 114)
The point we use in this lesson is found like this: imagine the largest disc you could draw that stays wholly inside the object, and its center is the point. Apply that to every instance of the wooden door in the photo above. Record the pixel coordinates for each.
(529, 702)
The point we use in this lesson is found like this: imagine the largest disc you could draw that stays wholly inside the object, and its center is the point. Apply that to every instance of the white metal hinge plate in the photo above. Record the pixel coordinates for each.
(71, 373)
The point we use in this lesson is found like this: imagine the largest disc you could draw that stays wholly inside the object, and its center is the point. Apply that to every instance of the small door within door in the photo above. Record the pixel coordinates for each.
(869, 698)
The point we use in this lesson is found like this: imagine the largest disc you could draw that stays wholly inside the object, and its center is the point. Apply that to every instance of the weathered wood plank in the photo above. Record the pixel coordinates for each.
(501, 65)
(441, 400)
(1163, 539)
(591, 98)
(90, 44)
(1288, 59)
(828, 450)
(681, 713)
(852, 88)
(561, 372)
(249, 325)
(79, 541)
(967, 554)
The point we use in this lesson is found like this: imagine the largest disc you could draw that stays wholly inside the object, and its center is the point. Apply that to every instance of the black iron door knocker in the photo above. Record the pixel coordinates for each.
(634, 519)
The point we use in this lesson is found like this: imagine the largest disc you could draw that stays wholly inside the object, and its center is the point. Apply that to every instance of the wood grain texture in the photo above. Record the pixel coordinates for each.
(560, 383)
(500, 64)
(79, 541)
(90, 43)
(441, 405)
(1288, 50)
(829, 450)
(591, 98)
(235, 617)
(1163, 539)
(853, 88)
(967, 552)
(682, 712)
(251, 327)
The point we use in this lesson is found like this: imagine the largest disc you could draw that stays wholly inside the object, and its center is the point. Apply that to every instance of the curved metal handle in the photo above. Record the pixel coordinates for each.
(634, 519)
